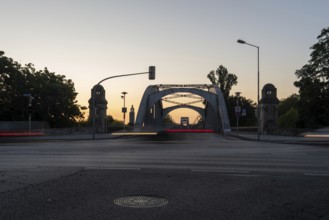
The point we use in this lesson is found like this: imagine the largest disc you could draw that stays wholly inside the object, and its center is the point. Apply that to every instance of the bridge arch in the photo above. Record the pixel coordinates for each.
(150, 114)
(199, 110)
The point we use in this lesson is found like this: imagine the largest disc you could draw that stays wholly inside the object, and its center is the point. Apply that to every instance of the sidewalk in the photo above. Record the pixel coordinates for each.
(72, 137)
(64, 137)
(310, 138)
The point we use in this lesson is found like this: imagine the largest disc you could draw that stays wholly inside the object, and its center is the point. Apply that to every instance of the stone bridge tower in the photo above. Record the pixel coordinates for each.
(101, 106)
(269, 105)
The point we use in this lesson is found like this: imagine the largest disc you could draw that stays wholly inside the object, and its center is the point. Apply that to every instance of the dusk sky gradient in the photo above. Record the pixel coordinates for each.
(185, 39)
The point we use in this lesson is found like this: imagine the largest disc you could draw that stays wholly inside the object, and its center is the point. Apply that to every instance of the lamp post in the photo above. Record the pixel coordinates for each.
(124, 109)
(258, 110)
(237, 112)
(151, 73)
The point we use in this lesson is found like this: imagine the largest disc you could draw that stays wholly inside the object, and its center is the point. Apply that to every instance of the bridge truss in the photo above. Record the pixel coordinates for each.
(209, 99)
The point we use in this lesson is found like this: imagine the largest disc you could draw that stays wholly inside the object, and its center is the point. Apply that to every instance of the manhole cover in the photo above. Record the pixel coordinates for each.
(141, 201)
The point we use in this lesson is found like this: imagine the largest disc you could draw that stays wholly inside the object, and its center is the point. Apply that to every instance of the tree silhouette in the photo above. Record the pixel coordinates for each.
(54, 95)
(313, 85)
(223, 79)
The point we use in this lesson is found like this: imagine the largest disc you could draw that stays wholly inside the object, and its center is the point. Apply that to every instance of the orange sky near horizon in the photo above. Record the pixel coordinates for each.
(91, 40)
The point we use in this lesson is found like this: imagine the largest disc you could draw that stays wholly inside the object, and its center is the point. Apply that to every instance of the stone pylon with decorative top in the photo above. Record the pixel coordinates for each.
(269, 105)
(100, 105)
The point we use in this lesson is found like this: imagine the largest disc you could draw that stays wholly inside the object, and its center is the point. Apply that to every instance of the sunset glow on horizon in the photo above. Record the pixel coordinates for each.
(88, 41)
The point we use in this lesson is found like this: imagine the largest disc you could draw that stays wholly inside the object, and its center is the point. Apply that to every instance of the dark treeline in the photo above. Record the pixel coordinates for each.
(54, 96)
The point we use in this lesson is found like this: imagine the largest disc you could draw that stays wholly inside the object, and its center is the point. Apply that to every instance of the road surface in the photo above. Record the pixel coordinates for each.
(201, 176)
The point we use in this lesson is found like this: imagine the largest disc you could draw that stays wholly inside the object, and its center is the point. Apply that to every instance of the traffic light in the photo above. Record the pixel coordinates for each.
(151, 72)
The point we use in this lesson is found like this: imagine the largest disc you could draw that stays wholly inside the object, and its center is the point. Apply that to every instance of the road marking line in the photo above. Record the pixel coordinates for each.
(316, 174)
(222, 171)
(316, 136)
(134, 133)
(244, 174)
(111, 168)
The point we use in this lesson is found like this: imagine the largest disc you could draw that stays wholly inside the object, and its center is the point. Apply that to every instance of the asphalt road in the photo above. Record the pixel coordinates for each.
(201, 176)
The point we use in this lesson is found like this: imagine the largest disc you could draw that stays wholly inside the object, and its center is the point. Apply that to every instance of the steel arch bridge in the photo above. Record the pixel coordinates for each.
(151, 112)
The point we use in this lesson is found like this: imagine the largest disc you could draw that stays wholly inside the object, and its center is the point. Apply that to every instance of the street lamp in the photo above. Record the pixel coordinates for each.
(237, 112)
(151, 74)
(258, 110)
(124, 109)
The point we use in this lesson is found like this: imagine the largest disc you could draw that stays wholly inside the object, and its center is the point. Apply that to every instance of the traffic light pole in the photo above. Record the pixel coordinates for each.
(151, 73)
(30, 97)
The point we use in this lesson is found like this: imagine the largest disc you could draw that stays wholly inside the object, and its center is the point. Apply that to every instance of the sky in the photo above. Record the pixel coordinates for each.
(88, 41)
